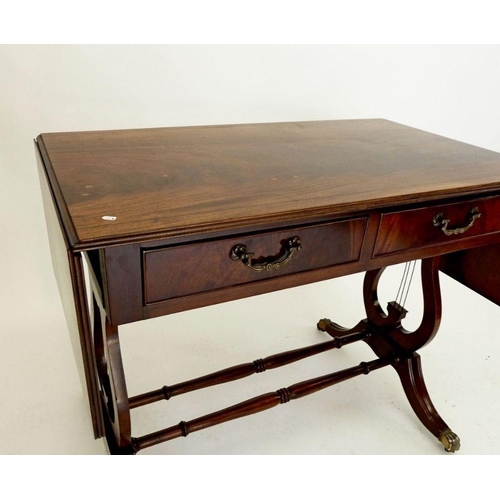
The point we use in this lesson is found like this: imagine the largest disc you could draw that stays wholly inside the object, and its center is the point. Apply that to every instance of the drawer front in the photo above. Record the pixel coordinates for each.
(200, 267)
(439, 225)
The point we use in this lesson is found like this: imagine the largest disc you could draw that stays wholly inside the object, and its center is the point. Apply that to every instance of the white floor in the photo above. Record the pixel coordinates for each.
(47, 411)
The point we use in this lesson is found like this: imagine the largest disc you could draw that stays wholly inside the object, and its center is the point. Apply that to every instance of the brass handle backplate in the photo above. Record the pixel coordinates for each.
(290, 246)
(440, 221)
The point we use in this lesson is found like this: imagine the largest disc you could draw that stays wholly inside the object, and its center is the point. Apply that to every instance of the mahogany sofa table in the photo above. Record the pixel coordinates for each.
(172, 219)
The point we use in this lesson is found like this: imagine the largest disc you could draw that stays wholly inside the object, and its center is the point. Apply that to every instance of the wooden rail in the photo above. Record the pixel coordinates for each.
(259, 403)
(244, 370)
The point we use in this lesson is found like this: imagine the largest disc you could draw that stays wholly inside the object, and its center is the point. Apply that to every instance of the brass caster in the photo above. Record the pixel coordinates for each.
(450, 441)
(322, 323)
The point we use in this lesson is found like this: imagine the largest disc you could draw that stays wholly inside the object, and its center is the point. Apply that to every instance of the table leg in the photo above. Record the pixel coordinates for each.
(388, 337)
(116, 411)
(410, 374)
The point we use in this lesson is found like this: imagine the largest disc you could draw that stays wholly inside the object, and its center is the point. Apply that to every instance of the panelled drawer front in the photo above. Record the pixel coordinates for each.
(200, 267)
(418, 228)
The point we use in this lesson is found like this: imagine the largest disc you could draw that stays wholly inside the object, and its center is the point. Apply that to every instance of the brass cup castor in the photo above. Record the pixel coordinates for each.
(322, 324)
(450, 441)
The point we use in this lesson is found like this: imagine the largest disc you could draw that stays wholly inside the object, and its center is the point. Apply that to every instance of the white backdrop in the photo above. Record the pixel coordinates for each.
(448, 90)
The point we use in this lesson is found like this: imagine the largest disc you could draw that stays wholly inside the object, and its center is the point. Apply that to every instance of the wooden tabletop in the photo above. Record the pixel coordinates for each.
(184, 180)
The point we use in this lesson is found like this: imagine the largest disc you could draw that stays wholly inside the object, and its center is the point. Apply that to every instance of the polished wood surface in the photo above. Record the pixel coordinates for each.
(410, 229)
(145, 281)
(187, 269)
(196, 216)
(243, 370)
(477, 269)
(193, 180)
(68, 270)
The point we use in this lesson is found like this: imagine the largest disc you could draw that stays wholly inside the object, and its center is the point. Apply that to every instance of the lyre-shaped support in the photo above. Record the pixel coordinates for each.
(390, 338)
(390, 323)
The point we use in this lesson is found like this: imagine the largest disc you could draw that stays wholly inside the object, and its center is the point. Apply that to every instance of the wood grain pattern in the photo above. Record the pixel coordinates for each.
(284, 281)
(476, 268)
(194, 180)
(187, 269)
(412, 229)
(121, 267)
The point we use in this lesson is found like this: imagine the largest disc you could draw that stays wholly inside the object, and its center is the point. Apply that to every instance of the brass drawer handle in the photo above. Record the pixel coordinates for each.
(439, 220)
(292, 245)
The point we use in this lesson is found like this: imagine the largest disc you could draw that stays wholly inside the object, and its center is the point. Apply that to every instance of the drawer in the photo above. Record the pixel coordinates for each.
(438, 225)
(178, 271)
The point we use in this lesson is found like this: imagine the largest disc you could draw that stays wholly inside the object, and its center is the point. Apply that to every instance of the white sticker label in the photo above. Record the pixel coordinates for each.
(108, 217)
